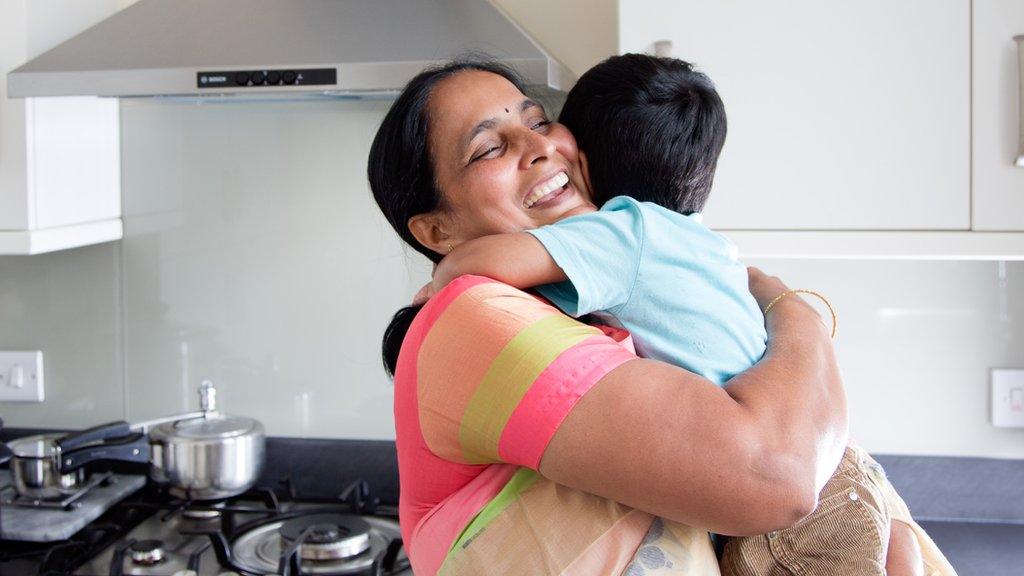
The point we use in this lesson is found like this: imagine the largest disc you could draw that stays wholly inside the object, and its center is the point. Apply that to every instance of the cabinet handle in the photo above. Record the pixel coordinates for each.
(1020, 105)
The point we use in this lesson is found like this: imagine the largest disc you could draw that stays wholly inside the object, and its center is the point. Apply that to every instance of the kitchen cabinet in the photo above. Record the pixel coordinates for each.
(998, 197)
(842, 115)
(850, 123)
(59, 157)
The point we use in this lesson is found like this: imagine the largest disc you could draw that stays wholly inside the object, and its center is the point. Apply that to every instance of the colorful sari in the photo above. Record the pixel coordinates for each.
(485, 376)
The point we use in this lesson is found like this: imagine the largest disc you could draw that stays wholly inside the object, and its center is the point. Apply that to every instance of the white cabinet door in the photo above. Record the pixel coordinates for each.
(842, 115)
(998, 183)
(59, 157)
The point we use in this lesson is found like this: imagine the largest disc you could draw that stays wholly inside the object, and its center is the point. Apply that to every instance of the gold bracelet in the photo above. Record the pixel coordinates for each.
(835, 320)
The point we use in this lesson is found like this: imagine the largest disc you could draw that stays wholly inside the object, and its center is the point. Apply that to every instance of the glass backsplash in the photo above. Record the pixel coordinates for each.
(254, 256)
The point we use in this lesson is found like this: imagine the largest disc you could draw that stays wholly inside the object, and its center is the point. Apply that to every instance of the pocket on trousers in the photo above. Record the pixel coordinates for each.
(848, 523)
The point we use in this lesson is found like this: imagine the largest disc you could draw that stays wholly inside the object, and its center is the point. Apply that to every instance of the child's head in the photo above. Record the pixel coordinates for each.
(651, 128)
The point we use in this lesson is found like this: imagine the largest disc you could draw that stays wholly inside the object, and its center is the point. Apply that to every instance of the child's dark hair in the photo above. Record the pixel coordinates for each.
(651, 128)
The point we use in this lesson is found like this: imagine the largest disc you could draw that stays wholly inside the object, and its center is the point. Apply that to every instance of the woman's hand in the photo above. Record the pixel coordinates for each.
(742, 460)
(764, 287)
(791, 308)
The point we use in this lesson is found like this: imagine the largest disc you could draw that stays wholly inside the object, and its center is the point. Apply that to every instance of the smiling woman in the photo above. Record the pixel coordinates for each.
(530, 443)
(504, 166)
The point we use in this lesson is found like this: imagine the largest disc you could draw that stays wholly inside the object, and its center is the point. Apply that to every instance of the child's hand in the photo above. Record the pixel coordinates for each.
(425, 293)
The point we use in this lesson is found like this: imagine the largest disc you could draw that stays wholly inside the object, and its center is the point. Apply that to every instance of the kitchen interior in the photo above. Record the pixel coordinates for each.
(178, 241)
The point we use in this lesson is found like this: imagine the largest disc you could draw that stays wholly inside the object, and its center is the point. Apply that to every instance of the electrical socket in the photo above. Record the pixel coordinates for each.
(21, 376)
(1008, 398)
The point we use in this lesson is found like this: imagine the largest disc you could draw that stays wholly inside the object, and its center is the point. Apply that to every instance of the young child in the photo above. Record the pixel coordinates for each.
(650, 130)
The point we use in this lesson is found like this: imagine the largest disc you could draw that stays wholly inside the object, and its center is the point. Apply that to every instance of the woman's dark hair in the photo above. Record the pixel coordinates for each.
(652, 128)
(401, 171)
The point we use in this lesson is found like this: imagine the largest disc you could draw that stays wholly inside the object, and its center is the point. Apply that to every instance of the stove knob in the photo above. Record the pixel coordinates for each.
(289, 77)
(273, 78)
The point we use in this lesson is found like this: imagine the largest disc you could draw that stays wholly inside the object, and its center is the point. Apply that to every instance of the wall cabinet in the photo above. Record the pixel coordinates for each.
(998, 184)
(852, 125)
(842, 115)
(59, 157)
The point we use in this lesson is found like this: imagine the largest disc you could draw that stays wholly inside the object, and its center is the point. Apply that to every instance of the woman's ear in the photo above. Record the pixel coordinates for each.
(430, 230)
(585, 173)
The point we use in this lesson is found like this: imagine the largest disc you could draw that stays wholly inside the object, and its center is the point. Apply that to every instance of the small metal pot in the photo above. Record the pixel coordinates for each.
(210, 456)
(34, 472)
(50, 466)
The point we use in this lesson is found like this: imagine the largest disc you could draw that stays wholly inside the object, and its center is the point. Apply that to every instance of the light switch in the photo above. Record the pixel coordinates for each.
(21, 376)
(1008, 398)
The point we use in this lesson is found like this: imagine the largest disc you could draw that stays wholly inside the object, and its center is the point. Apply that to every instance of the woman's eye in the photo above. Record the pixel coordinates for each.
(486, 152)
(541, 124)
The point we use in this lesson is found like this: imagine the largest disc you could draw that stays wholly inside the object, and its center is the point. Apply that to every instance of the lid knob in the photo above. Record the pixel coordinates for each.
(207, 396)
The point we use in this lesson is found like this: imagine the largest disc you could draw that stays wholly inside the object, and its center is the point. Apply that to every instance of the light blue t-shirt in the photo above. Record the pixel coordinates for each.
(677, 286)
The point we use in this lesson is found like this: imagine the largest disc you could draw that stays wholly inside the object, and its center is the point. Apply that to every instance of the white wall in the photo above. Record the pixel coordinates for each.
(916, 341)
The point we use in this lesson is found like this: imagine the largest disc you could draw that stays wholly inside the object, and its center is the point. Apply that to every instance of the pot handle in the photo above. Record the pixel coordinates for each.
(92, 435)
(5, 453)
(135, 448)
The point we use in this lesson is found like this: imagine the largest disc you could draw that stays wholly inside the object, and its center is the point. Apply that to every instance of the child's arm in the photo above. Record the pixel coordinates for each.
(598, 253)
(517, 259)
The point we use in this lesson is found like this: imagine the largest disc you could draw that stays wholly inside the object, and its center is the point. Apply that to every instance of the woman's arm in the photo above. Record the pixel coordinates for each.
(746, 459)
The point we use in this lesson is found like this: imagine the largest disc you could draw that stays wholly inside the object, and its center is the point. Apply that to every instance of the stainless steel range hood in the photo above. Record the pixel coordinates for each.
(275, 48)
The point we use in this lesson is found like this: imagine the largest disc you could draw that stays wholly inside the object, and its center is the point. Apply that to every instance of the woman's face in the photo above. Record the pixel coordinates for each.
(501, 165)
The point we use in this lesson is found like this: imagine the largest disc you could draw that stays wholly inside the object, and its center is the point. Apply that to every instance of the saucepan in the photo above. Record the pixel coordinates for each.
(49, 466)
(202, 455)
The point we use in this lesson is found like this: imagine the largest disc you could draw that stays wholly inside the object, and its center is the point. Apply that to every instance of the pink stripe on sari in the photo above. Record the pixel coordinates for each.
(552, 395)
(438, 530)
(407, 424)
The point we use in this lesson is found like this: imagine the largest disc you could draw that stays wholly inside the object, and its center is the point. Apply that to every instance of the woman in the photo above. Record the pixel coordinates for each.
(530, 443)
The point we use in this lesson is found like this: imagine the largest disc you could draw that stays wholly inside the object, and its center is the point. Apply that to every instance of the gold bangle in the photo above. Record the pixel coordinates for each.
(835, 320)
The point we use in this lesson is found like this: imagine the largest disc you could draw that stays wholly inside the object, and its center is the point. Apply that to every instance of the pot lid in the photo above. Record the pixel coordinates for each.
(210, 426)
(38, 446)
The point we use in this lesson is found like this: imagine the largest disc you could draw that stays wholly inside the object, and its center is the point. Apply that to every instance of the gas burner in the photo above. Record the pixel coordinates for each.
(147, 552)
(327, 536)
(203, 513)
(332, 544)
(153, 557)
(68, 502)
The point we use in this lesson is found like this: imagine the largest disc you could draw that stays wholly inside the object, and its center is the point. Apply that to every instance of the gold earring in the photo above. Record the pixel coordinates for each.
(450, 248)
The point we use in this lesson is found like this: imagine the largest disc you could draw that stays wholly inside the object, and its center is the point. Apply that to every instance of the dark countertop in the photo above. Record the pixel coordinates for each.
(972, 507)
(980, 549)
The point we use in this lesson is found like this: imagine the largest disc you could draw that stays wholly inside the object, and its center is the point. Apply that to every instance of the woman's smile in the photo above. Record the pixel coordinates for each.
(547, 190)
